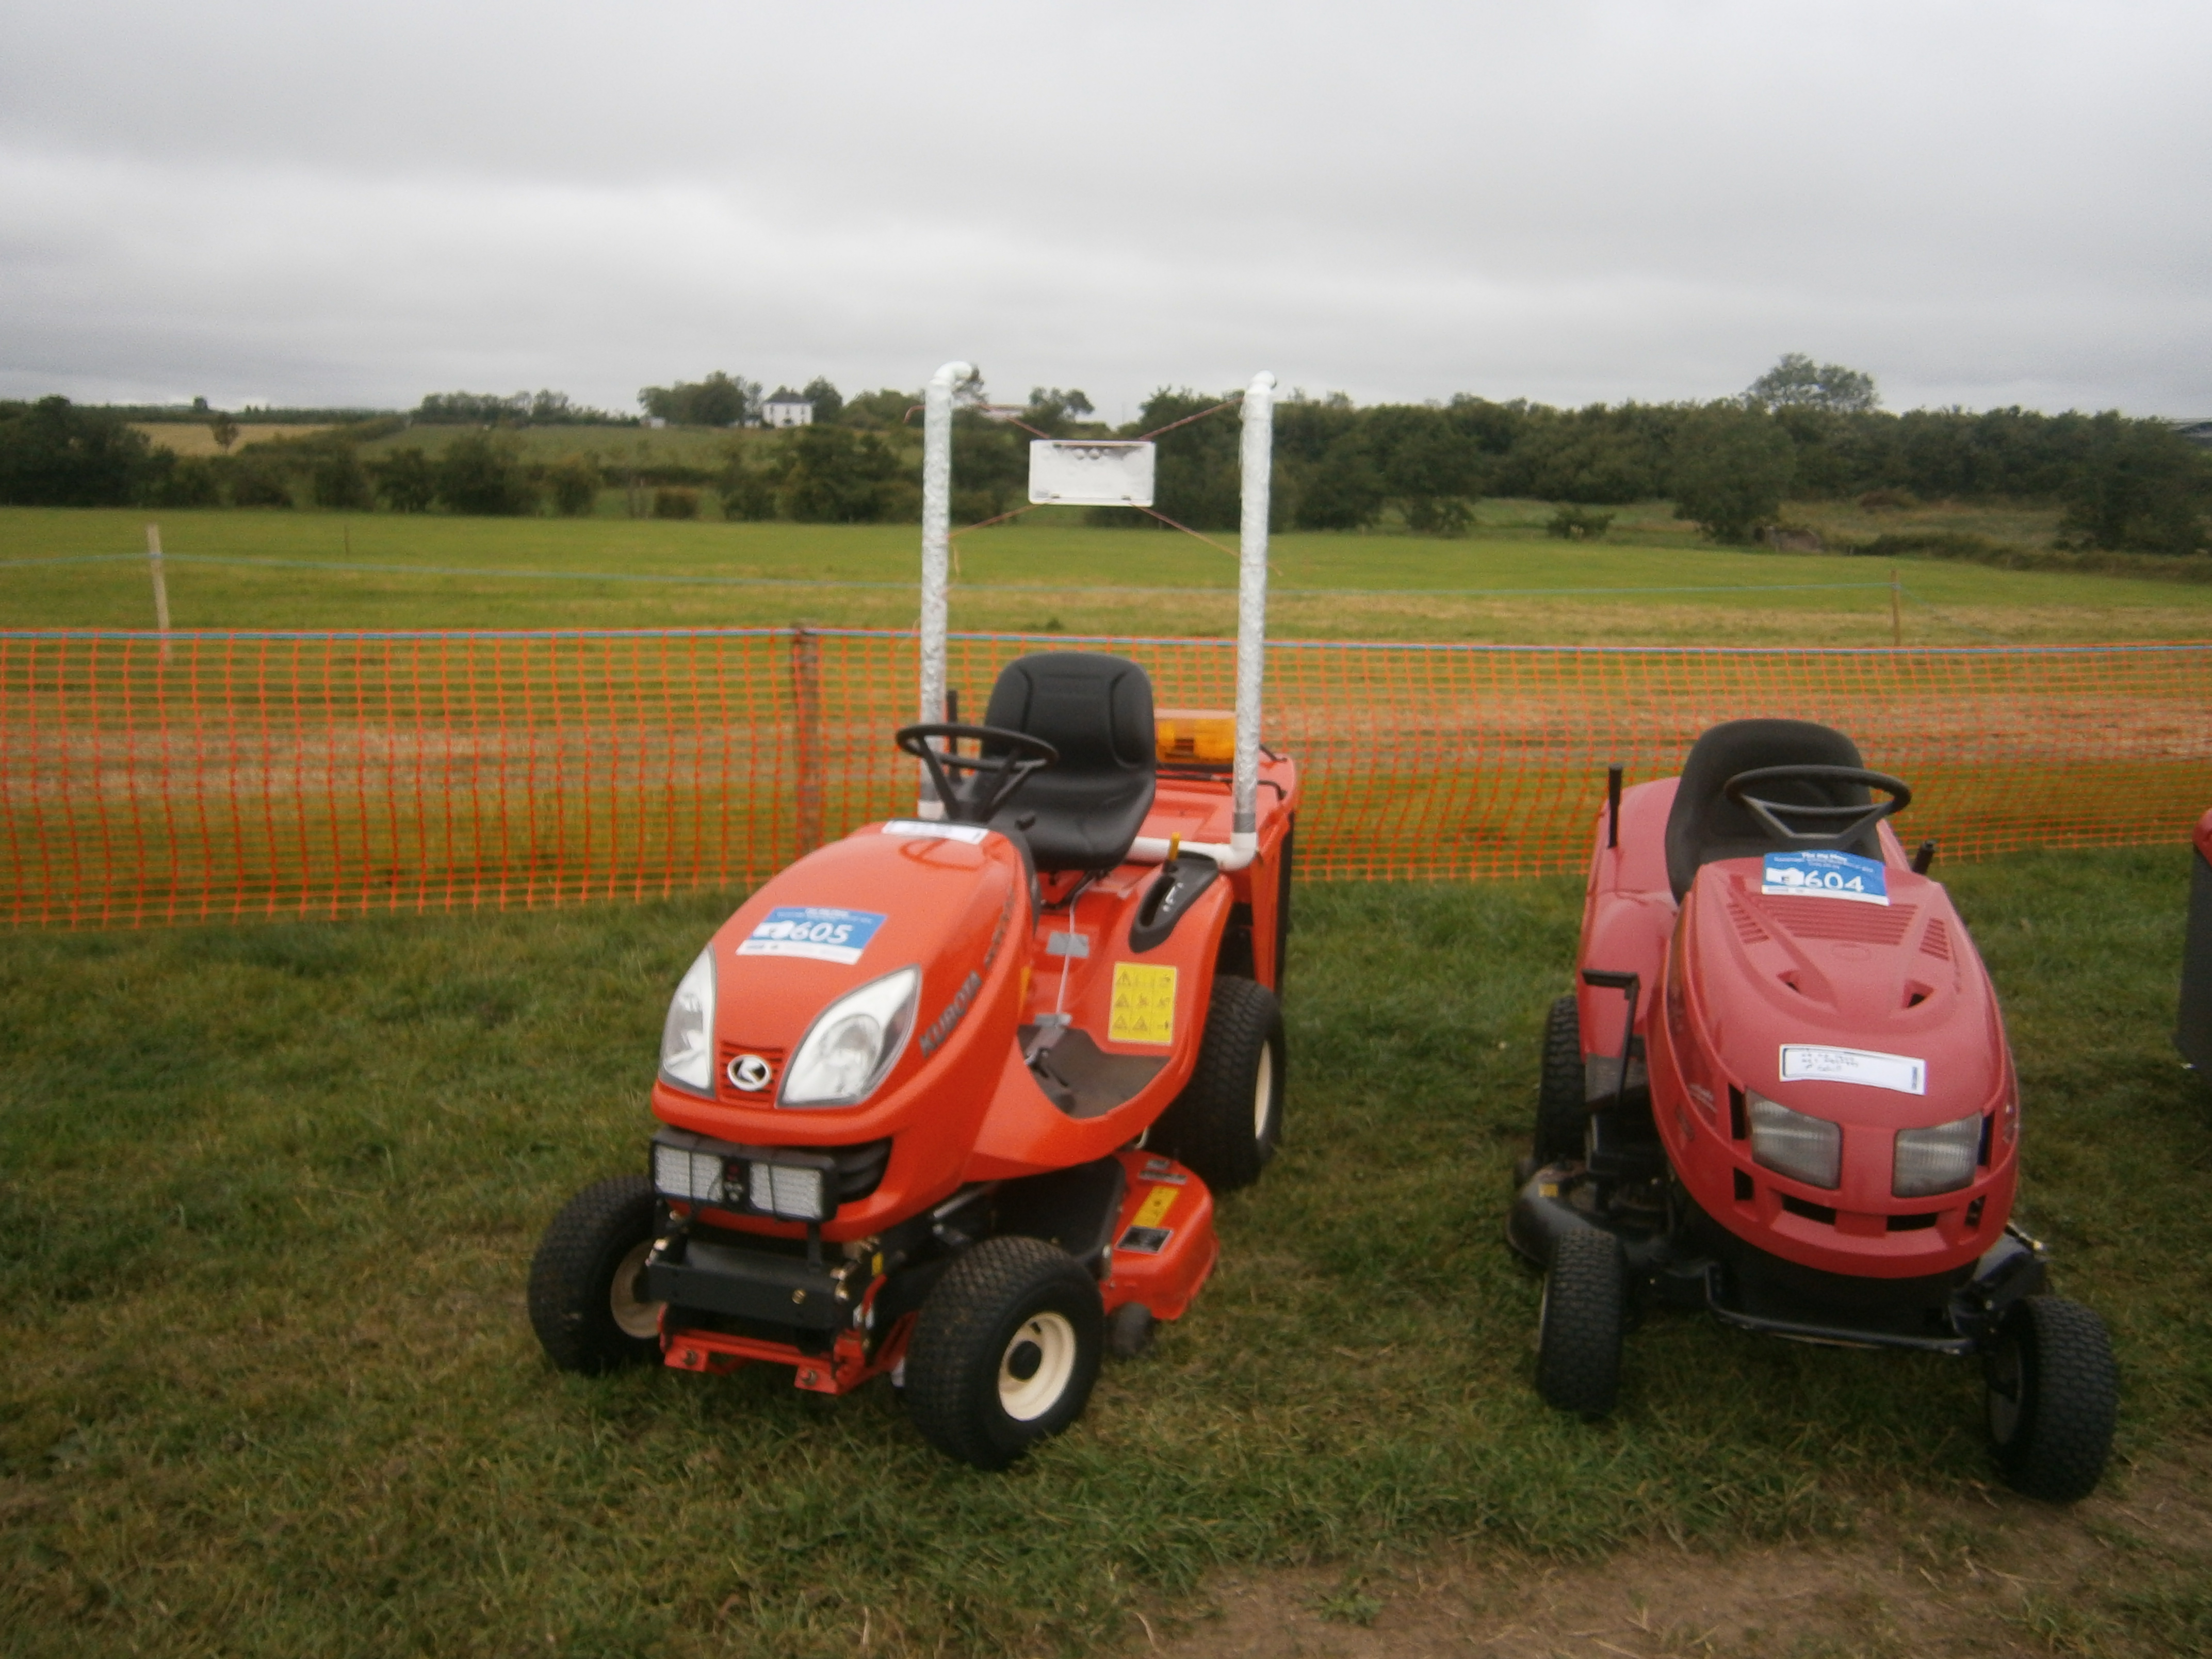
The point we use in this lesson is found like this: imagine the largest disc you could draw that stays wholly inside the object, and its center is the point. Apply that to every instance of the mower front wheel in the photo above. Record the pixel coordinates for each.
(1562, 1111)
(1226, 1122)
(588, 1301)
(2053, 1396)
(1005, 1350)
(1578, 1330)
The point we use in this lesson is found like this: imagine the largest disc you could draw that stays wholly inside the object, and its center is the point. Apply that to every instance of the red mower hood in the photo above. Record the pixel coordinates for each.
(1796, 972)
(945, 900)
(1876, 1017)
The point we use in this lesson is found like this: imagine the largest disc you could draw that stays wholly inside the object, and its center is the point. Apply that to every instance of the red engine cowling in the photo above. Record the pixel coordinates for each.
(1795, 1031)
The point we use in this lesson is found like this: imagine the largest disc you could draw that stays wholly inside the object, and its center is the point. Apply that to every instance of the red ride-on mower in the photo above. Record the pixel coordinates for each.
(947, 1100)
(1782, 1092)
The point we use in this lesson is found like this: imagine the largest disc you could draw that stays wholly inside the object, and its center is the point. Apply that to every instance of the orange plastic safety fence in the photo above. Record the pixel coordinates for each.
(226, 776)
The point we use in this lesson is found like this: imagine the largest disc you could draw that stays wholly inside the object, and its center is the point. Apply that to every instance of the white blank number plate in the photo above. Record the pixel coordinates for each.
(1804, 1063)
(1090, 472)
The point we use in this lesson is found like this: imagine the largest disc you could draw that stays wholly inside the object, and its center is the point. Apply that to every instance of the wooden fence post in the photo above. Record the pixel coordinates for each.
(807, 745)
(160, 587)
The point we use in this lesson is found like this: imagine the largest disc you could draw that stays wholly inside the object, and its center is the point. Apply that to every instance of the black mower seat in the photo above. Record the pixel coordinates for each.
(1704, 825)
(1097, 711)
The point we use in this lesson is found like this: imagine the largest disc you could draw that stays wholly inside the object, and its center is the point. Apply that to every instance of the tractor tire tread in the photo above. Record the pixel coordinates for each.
(1562, 1109)
(2060, 1455)
(567, 1300)
(1208, 1127)
(1579, 1333)
(952, 1361)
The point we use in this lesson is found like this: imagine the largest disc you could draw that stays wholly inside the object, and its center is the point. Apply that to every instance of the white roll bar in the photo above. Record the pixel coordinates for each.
(936, 555)
(1256, 463)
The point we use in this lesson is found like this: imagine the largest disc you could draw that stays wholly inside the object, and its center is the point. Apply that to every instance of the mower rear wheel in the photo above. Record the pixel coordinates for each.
(1228, 1120)
(2053, 1395)
(588, 1301)
(1578, 1330)
(1562, 1111)
(1005, 1350)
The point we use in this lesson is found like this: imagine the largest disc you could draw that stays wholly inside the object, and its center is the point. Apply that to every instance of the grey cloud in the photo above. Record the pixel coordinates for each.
(1978, 203)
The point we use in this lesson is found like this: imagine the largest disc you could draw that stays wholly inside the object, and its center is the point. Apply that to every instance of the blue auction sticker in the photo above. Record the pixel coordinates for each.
(818, 931)
(1827, 875)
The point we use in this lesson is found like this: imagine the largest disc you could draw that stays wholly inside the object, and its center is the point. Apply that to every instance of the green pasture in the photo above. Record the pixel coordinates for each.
(610, 447)
(268, 1194)
(1651, 582)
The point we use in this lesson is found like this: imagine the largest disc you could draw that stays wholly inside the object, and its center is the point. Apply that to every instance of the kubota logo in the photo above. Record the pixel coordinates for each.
(955, 1011)
(749, 1073)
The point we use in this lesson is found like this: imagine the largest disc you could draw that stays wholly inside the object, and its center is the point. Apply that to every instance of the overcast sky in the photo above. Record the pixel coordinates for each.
(298, 202)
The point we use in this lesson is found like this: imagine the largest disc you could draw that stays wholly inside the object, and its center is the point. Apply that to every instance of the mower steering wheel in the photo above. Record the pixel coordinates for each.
(994, 779)
(1822, 829)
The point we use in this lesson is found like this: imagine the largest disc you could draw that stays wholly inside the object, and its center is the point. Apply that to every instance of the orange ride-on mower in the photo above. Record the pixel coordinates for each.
(947, 1100)
(1782, 1092)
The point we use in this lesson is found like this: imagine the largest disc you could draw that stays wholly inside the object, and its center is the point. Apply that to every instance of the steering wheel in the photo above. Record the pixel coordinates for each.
(1824, 825)
(991, 779)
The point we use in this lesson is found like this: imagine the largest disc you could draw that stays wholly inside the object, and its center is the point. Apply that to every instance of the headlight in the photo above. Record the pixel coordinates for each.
(1937, 1160)
(679, 1173)
(790, 1192)
(687, 1041)
(1807, 1148)
(852, 1044)
(782, 1190)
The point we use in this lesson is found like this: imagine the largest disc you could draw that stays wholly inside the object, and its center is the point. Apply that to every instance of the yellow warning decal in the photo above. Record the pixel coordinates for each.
(1154, 1210)
(1144, 1004)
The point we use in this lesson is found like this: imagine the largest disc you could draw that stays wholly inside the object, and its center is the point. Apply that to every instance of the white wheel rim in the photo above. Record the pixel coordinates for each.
(1263, 1093)
(634, 1316)
(1044, 1348)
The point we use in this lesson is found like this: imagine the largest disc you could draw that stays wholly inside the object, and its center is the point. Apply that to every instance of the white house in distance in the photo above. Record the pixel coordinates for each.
(786, 408)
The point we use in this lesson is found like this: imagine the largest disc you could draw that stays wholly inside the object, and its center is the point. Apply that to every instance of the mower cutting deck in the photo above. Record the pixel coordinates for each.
(948, 1099)
(1781, 1093)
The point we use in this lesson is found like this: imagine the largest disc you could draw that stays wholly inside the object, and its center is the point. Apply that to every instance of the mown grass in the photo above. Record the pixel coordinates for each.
(267, 1198)
(1043, 574)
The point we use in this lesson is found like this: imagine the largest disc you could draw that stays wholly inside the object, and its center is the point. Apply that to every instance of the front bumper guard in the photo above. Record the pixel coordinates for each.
(830, 1324)
(687, 1271)
(2011, 1270)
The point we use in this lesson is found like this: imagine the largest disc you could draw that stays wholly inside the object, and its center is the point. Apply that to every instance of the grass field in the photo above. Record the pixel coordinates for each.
(267, 1194)
(613, 447)
(267, 1197)
(197, 438)
(1507, 583)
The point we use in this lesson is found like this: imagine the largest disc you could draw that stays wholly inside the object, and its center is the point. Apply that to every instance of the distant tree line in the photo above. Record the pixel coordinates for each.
(517, 409)
(1803, 431)
(1729, 465)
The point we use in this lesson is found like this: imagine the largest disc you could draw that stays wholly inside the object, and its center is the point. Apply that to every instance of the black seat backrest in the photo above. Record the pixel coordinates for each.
(1097, 711)
(1704, 825)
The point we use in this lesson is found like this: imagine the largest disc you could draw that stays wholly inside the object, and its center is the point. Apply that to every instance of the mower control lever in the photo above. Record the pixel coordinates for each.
(1825, 829)
(993, 778)
(1632, 987)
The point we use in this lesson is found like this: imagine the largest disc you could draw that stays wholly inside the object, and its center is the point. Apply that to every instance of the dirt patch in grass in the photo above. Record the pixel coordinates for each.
(2125, 1572)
